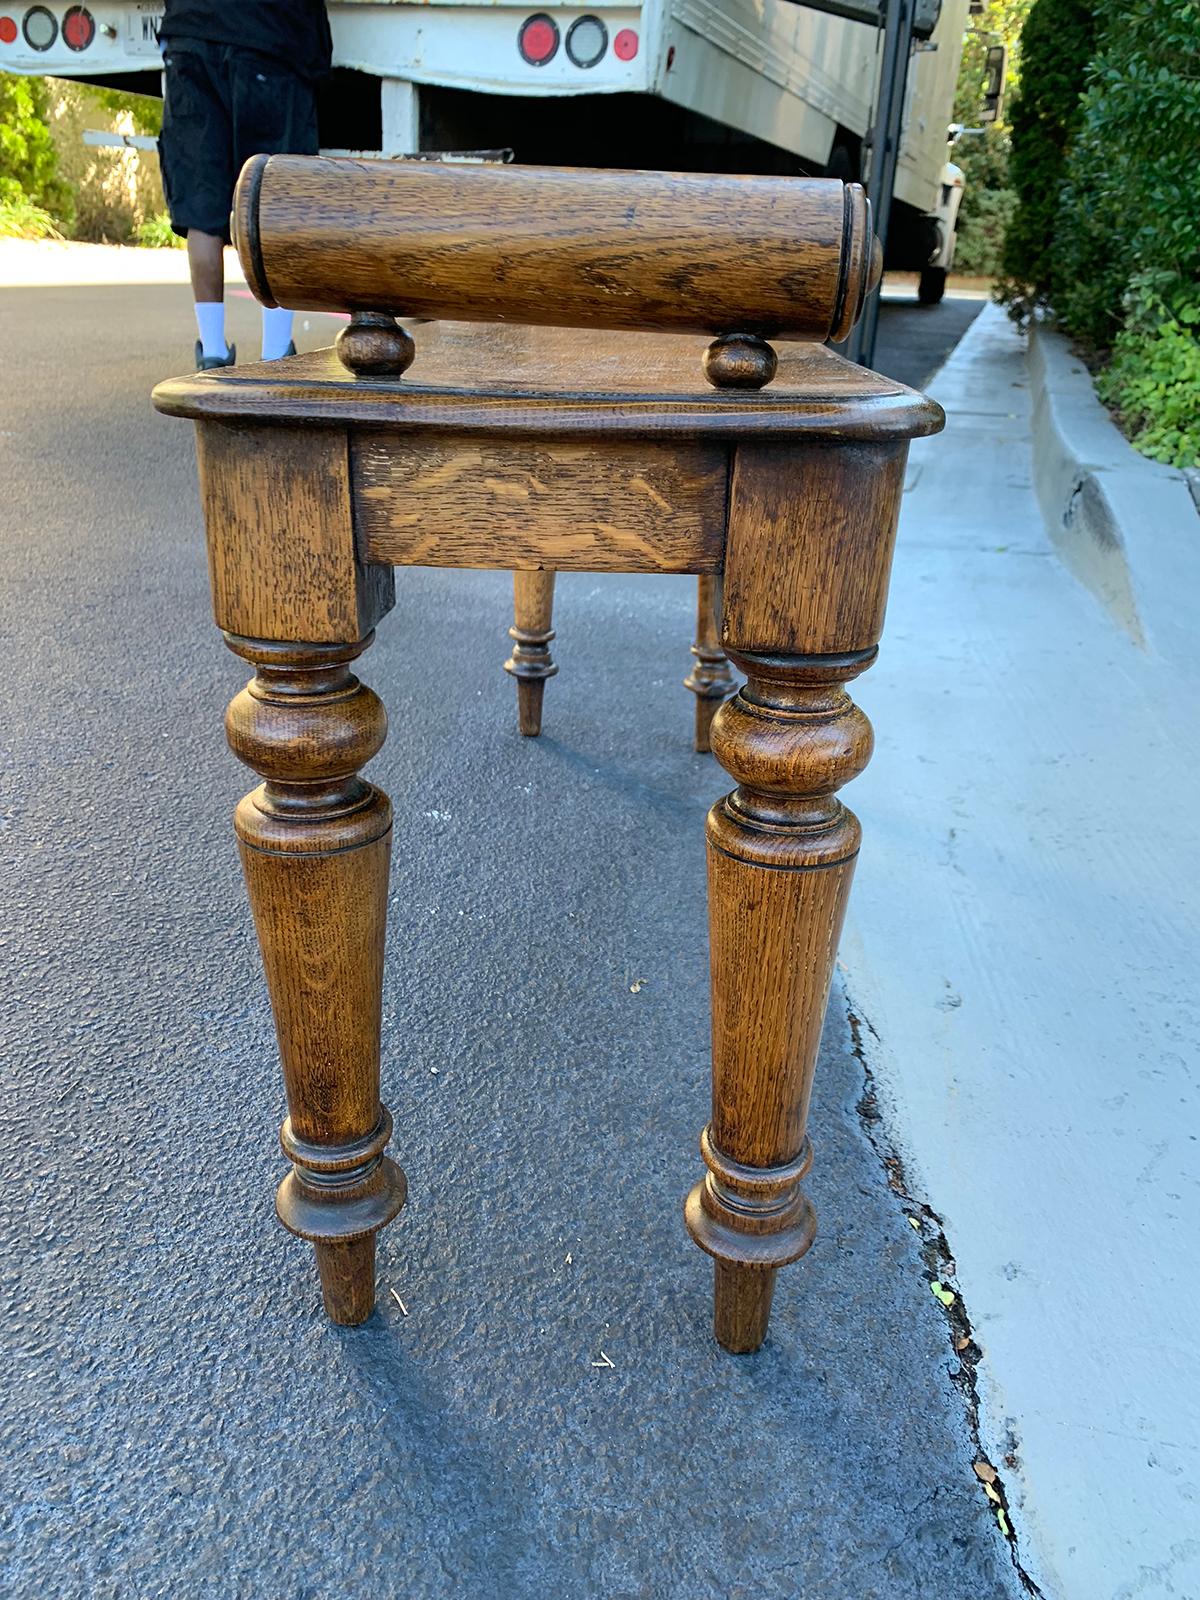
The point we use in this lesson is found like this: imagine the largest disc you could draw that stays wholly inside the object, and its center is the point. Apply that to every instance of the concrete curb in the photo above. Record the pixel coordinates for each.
(1125, 526)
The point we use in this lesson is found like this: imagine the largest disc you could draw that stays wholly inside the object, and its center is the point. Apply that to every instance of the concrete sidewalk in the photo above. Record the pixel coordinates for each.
(65, 263)
(1021, 952)
(74, 263)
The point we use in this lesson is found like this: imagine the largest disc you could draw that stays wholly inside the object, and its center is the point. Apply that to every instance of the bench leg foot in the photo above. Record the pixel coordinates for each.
(741, 1305)
(347, 1271)
(315, 840)
(710, 679)
(530, 663)
(781, 851)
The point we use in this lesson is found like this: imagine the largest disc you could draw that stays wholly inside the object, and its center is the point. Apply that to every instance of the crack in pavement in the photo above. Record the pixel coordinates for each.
(940, 1264)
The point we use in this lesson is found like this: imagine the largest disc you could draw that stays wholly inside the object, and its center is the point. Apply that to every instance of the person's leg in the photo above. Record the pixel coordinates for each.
(206, 263)
(196, 153)
(276, 333)
(273, 112)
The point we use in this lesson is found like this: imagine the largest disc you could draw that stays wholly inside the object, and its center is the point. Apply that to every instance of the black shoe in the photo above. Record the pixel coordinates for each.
(206, 363)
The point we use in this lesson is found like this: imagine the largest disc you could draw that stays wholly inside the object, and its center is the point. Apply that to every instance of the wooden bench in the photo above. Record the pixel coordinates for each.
(598, 393)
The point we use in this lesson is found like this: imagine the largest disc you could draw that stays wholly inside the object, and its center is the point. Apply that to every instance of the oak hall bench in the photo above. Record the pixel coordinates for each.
(602, 396)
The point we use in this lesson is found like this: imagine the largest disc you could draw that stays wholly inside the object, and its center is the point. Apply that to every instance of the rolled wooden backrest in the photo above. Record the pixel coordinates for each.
(680, 252)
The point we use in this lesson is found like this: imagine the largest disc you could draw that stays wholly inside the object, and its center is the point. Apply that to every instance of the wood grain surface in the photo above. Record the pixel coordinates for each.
(808, 552)
(784, 257)
(315, 840)
(538, 449)
(811, 531)
(531, 633)
(710, 679)
(281, 552)
(492, 379)
(568, 505)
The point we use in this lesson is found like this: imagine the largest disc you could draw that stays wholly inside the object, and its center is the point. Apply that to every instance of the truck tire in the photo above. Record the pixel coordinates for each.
(931, 286)
(842, 165)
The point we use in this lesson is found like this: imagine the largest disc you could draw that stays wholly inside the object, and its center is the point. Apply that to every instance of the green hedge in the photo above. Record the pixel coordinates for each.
(987, 204)
(988, 199)
(50, 184)
(1127, 274)
(1106, 165)
(1056, 46)
(29, 179)
(1130, 202)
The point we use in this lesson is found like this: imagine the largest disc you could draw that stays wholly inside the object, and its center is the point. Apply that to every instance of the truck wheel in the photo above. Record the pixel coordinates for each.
(932, 285)
(842, 165)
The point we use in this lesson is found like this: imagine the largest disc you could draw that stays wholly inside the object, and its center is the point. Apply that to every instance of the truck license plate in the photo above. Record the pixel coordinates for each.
(142, 23)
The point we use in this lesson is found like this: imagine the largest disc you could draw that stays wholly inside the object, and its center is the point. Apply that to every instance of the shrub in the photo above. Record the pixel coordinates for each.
(1130, 202)
(1056, 46)
(988, 201)
(21, 219)
(1127, 269)
(156, 233)
(1153, 380)
(980, 248)
(115, 189)
(28, 159)
(1109, 237)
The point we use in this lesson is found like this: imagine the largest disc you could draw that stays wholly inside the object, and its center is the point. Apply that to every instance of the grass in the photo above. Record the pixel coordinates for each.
(21, 219)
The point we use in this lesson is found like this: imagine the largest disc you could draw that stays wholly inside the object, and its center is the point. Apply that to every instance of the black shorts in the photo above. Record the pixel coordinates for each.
(221, 106)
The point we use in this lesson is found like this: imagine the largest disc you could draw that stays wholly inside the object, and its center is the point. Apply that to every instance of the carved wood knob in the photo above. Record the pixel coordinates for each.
(374, 345)
(739, 361)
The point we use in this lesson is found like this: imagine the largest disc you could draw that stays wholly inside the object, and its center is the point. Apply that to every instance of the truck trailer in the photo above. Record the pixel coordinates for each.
(762, 86)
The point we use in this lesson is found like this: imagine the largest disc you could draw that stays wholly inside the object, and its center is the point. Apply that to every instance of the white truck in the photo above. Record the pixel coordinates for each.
(718, 85)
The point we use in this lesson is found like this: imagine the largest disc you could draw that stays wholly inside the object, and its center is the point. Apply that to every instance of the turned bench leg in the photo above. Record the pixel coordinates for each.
(710, 679)
(531, 633)
(811, 529)
(781, 852)
(314, 841)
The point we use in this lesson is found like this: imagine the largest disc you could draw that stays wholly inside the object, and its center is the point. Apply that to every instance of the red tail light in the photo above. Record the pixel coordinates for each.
(538, 39)
(78, 28)
(8, 30)
(625, 45)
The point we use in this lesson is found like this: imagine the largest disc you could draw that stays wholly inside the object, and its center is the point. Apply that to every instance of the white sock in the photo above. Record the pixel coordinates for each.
(210, 319)
(277, 332)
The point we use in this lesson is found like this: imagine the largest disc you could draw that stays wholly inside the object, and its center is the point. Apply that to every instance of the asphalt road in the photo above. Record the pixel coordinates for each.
(180, 1419)
(913, 340)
